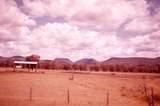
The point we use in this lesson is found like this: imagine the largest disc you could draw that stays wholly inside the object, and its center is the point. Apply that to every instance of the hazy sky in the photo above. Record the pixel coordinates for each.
(80, 28)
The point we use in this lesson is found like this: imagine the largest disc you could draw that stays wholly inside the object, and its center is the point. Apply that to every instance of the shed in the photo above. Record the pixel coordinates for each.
(30, 65)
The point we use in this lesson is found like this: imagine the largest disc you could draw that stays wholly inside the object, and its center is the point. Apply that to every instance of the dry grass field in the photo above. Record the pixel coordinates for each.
(59, 88)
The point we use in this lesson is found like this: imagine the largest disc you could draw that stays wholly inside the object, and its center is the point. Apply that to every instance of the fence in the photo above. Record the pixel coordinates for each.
(17, 96)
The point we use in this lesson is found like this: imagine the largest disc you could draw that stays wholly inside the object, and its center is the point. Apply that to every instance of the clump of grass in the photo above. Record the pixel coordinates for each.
(43, 72)
(122, 91)
(156, 97)
(113, 74)
(141, 92)
(136, 92)
(71, 77)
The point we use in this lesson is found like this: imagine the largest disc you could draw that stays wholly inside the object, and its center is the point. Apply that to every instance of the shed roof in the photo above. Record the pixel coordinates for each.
(25, 62)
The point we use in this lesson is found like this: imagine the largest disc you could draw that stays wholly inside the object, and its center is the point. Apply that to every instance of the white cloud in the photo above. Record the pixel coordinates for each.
(12, 16)
(108, 14)
(143, 24)
(66, 40)
(146, 45)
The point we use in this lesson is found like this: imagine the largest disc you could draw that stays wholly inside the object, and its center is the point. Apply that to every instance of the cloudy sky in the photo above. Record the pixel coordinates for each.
(78, 29)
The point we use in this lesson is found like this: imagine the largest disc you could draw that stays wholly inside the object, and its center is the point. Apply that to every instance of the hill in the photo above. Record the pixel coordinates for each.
(62, 61)
(87, 61)
(132, 60)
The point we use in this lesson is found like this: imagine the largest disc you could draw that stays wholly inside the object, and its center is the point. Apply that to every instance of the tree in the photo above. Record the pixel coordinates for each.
(34, 58)
(94, 67)
(67, 67)
(47, 64)
(104, 67)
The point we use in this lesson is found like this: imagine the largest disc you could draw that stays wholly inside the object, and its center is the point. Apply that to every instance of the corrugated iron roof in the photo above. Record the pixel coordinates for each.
(25, 62)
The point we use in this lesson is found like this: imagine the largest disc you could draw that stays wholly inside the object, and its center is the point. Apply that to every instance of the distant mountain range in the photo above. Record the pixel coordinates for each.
(18, 58)
(62, 61)
(114, 60)
(2, 58)
(132, 60)
(87, 61)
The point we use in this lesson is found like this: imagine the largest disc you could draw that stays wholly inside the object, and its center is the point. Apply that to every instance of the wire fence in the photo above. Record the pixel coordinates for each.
(16, 96)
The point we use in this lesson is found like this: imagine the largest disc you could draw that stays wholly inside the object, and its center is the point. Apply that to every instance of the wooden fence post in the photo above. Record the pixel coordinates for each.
(68, 96)
(146, 95)
(152, 97)
(149, 96)
(107, 99)
(30, 94)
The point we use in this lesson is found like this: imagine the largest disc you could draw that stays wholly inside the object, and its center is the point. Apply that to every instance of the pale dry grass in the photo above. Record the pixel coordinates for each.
(50, 89)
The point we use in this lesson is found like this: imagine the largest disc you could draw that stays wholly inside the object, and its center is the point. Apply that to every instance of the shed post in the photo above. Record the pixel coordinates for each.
(14, 67)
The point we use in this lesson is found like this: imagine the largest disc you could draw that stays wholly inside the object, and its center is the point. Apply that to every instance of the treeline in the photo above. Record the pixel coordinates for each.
(51, 65)
(6, 63)
(152, 68)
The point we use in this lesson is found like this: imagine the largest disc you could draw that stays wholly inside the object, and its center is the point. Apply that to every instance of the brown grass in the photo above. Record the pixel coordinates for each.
(49, 88)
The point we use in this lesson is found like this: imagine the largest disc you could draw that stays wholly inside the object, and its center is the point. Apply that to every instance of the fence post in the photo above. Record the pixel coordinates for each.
(146, 95)
(152, 97)
(107, 99)
(30, 94)
(68, 96)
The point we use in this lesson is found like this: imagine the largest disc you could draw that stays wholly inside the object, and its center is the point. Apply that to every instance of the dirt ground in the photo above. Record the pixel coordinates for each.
(60, 88)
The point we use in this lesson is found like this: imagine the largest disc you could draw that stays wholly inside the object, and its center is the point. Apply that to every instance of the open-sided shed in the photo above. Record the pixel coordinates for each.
(29, 64)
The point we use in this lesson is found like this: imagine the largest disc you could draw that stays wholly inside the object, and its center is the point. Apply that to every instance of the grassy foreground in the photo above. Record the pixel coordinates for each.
(58, 88)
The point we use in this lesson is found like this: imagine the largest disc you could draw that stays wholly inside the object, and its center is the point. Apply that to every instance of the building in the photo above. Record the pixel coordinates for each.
(31, 65)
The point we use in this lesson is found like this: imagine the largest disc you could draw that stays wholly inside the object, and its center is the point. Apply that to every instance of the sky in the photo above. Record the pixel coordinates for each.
(79, 29)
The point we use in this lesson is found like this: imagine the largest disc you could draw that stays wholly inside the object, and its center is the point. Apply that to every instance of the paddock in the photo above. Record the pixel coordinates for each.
(55, 88)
